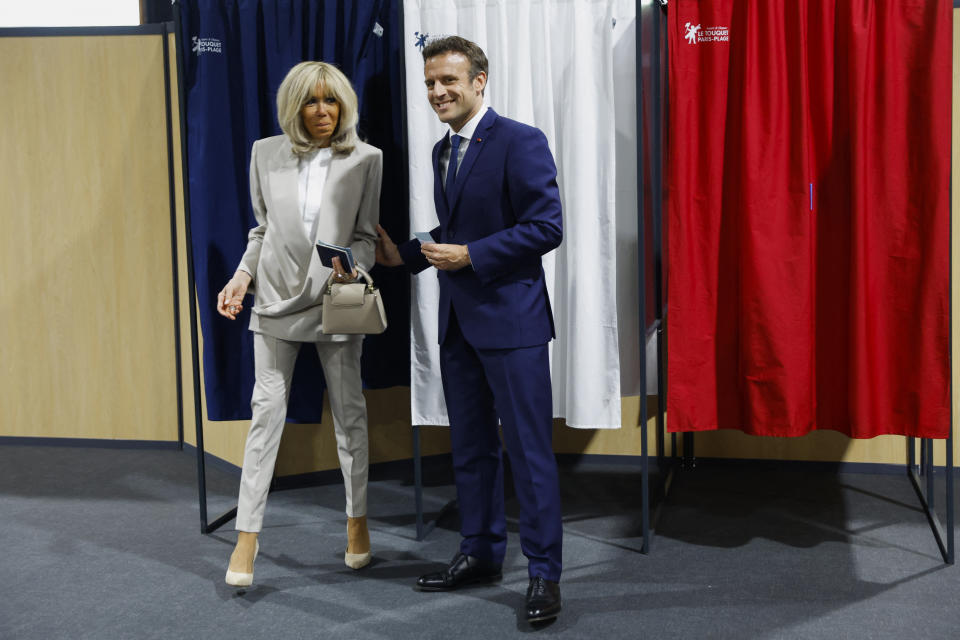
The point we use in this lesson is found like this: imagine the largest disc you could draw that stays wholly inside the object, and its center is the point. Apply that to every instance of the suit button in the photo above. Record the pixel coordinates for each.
(452, 234)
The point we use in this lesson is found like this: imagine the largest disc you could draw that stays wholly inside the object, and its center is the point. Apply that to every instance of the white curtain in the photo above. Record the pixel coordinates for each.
(562, 66)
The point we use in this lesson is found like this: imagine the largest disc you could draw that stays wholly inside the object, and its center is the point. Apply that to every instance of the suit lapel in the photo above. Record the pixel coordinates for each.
(335, 171)
(473, 152)
(285, 189)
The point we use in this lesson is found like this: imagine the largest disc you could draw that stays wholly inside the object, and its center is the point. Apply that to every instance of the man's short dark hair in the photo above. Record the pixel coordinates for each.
(456, 44)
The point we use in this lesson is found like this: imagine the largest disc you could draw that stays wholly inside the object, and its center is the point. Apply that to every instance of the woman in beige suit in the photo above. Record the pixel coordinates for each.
(317, 181)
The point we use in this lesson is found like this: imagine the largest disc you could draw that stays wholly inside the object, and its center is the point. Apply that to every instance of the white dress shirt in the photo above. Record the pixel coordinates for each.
(312, 170)
(466, 132)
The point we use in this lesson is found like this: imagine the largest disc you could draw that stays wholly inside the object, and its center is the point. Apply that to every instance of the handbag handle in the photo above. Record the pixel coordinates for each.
(361, 271)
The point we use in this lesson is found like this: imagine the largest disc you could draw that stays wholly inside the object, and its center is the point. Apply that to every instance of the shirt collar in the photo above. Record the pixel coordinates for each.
(466, 131)
(316, 155)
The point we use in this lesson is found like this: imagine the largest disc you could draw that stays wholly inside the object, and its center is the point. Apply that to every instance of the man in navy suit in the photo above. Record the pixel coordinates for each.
(495, 190)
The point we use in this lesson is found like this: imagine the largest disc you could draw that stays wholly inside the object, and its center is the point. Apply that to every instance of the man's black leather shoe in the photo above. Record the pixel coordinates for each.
(543, 600)
(463, 570)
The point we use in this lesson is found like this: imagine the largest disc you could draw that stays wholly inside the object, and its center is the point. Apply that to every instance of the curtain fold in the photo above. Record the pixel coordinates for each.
(808, 216)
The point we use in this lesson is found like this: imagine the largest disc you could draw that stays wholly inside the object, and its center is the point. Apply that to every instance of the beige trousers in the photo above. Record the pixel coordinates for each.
(274, 360)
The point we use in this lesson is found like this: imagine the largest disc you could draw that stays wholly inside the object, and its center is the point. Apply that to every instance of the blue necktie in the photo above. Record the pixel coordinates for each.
(452, 167)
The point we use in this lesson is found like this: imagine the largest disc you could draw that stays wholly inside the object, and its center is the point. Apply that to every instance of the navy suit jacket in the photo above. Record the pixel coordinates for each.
(506, 209)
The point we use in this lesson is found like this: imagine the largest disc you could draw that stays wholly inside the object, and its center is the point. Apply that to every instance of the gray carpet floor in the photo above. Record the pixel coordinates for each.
(100, 543)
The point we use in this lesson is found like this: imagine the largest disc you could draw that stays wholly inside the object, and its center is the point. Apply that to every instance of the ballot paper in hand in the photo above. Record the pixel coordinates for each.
(328, 252)
(423, 236)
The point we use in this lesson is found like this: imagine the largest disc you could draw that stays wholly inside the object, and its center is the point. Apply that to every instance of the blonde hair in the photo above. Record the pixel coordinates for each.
(297, 89)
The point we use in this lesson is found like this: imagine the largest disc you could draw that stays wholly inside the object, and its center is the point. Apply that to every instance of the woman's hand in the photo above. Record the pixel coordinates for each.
(387, 253)
(230, 298)
(340, 274)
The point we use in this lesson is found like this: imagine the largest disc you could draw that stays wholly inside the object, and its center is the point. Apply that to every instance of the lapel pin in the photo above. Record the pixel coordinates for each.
(479, 139)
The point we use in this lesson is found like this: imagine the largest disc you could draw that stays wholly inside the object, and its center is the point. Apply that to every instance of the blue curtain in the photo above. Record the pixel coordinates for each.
(236, 53)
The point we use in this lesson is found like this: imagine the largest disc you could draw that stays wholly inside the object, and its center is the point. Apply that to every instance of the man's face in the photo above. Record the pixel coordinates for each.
(453, 95)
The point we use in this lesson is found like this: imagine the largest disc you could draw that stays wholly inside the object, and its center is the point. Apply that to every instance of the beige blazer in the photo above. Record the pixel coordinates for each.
(288, 279)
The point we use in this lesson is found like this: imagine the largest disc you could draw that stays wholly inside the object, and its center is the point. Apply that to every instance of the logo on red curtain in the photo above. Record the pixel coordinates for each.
(703, 35)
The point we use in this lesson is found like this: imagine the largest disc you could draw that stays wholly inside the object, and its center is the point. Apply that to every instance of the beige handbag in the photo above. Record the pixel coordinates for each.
(354, 307)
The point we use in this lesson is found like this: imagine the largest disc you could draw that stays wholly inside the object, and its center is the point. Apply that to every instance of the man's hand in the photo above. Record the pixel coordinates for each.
(448, 257)
(230, 298)
(387, 253)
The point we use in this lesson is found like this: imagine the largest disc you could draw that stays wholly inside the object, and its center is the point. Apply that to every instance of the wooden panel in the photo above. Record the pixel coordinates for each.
(312, 447)
(309, 447)
(819, 446)
(86, 304)
(625, 441)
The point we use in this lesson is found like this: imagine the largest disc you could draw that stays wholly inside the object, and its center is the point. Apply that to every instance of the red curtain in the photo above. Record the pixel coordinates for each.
(808, 219)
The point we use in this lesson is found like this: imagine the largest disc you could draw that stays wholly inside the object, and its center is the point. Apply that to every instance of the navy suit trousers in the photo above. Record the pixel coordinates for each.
(480, 386)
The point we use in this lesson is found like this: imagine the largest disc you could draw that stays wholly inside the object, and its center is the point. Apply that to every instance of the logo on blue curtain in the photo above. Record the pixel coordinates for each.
(421, 39)
(206, 45)
(697, 35)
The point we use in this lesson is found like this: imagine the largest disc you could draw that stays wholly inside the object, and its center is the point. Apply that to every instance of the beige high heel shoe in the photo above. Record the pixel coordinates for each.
(358, 540)
(240, 579)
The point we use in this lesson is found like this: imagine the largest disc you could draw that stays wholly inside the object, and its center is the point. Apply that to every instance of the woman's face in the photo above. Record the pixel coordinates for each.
(320, 116)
